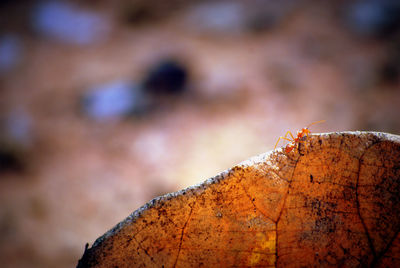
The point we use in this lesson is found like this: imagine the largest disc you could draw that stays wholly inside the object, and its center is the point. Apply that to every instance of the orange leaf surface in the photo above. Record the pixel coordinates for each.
(332, 201)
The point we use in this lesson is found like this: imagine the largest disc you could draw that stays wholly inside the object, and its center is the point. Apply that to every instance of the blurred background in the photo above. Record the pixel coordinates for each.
(105, 105)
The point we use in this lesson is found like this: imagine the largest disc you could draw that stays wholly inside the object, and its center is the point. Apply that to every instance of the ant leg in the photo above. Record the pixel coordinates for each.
(284, 138)
(291, 135)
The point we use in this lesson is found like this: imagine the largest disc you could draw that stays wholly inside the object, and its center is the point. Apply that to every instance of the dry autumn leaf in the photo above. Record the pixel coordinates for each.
(333, 201)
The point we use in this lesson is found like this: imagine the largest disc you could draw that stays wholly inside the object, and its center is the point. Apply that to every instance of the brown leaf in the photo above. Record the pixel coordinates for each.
(332, 201)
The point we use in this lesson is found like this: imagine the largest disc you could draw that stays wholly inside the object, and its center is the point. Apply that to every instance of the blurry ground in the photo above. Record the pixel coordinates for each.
(253, 72)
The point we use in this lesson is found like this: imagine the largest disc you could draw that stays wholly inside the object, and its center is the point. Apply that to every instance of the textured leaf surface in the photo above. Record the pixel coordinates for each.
(333, 201)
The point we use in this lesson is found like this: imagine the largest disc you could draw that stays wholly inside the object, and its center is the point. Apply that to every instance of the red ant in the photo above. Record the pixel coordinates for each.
(300, 134)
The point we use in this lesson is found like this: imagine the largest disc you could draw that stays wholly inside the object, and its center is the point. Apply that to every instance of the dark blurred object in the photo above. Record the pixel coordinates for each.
(148, 11)
(114, 101)
(5, 2)
(389, 71)
(15, 16)
(166, 78)
(11, 159)
(264, 15)
(68, 23)
(374, 18)
(16, 139)
(10, 52)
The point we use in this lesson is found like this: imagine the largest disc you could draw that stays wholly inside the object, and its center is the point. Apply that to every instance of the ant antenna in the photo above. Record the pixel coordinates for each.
(317, 122)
